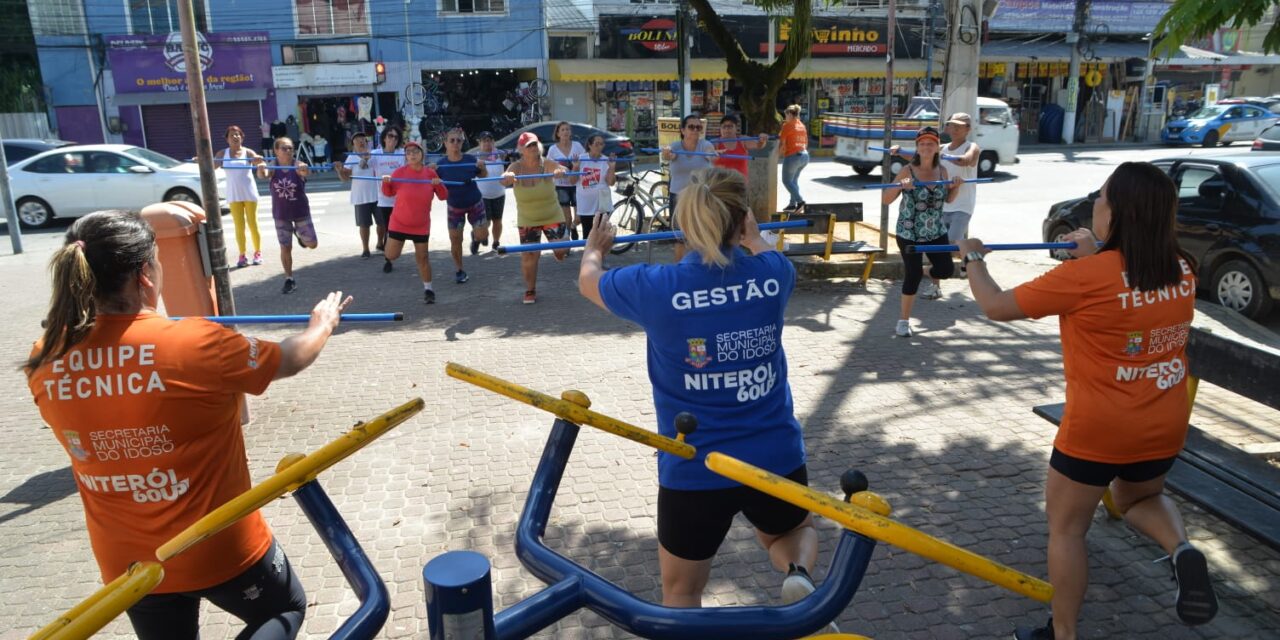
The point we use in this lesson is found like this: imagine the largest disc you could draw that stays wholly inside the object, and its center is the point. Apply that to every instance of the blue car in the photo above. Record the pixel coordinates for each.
(1222, 123)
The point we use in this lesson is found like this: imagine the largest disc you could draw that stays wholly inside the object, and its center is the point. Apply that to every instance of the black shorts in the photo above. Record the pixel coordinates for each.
(692, 524)
(275, 611)
(568, 196)
(383, 216)
(405, 237)
(366, 213)
(493, 208)
(1100, 474)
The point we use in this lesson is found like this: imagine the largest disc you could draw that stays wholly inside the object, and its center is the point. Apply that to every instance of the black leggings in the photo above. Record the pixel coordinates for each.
(267, 597)
(914, 264)
(587, 223)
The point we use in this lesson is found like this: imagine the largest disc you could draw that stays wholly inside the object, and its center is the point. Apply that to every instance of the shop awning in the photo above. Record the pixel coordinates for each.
(1045, 51)
(176, 97)
(613, 70)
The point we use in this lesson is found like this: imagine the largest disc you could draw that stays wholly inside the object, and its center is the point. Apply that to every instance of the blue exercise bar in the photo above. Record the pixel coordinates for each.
(1014, 246)
(705, 154)
(300, 318)
(638, 237)
(451, 183)
(311, 168)
(533, 176)
(739, 139)
(925, 183)
(908, 152)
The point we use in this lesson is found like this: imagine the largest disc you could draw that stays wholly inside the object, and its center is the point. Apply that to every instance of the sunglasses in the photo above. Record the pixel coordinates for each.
(392, 135)
(285, 148)
(458, 140)
(693, 128)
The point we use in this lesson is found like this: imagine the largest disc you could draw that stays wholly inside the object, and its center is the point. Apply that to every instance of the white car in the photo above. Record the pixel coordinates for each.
(69, 182)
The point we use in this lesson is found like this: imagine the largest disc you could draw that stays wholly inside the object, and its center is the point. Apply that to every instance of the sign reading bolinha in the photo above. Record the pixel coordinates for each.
(229, 60)
(654, 37)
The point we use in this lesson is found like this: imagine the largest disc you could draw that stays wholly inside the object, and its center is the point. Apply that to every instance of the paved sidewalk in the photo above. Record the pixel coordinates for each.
(941, 423)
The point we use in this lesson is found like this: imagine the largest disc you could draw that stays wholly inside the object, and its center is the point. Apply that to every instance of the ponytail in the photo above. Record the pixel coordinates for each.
(711, 211)
(103, 252)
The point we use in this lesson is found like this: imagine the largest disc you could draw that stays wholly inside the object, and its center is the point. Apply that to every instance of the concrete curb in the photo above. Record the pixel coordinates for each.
(887, 267)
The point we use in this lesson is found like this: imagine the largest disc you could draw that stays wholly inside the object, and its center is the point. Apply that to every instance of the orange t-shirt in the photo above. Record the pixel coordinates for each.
(1124, 353)
(148, 409)
(794, 137)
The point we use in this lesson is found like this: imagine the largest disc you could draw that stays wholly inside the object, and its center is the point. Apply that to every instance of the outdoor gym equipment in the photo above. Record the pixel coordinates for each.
(312, 169)
(925, 183)
(300, 318)
(296, 473)
(705, 154)
(532, 176)
(908, 152)
(638, 237)
(450, 183)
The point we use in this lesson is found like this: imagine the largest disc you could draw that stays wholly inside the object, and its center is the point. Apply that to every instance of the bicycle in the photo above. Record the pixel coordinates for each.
(632, 213)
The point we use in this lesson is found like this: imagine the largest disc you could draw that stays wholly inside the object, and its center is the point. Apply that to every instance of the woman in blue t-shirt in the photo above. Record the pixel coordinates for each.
(714, 327)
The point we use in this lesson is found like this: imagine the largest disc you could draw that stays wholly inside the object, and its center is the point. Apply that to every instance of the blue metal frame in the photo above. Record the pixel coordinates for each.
(375, 603)
(573, 586)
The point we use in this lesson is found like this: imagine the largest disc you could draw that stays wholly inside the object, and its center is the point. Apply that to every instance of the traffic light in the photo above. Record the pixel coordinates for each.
(380, 72)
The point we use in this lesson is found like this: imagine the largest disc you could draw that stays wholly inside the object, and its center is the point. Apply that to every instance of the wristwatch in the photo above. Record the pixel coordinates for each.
(972, 256)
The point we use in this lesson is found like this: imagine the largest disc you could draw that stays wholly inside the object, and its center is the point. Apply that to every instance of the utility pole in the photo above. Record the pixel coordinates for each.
(928, 47)
(6, 201)
(204, 158)
(410, 119)
(888, 117)
(683, 35)
(1073, 75)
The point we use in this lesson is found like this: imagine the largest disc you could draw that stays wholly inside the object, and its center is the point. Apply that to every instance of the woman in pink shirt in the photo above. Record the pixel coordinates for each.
(411, 217)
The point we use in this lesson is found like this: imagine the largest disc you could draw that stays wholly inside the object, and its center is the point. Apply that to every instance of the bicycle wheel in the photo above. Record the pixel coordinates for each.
(539, 88)
(660, 220)
(628, 216)
(658, 192)
(433, 142)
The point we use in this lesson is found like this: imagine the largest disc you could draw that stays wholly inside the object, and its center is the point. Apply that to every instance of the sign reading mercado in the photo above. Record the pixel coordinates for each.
(154, 63)
(629, 36)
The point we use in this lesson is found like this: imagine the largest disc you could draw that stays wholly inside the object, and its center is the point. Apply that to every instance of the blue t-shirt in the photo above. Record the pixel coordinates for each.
(715, 350)
(466, 195)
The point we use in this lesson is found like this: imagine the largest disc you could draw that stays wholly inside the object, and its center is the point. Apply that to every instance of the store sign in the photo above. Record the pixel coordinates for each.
(155, 64)
(1057, 16)
(657, 35)
(629, 36)
(295, 76)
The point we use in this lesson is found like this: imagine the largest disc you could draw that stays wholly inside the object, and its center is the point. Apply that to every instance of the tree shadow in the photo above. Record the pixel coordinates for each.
(37, 491)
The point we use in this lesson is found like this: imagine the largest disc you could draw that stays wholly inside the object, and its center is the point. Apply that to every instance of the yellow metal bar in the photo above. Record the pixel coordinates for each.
(831, 237)
(1193, 385)
(94, 612)
(866, 270)
(879, 527)
(287, 479)
(1109, 503)
(574, 413)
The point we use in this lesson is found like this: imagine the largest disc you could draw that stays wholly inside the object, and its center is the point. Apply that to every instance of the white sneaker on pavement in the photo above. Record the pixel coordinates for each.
(904, 329)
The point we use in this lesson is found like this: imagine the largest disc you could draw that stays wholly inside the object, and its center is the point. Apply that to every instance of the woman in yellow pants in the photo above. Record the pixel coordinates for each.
(242, 191)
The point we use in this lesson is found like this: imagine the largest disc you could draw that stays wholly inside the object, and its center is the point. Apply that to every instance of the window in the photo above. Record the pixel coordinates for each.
(473, 6)
(59, 163)
(154, 157)
(1200, 188)
(57, 17)
(332, 17)
(1269, 175)
(997, 116)
(103, 162)
(567, 47)
(148, 17)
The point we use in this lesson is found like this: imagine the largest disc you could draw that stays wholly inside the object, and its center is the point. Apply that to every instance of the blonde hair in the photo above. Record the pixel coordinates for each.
(711, 211)
(793, 110)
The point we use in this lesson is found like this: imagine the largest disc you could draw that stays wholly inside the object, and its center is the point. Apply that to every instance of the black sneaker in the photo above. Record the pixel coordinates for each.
(365, 254)
(289, 286)
(460, 277)
(386, 266)
(573, 233)
(300, 244)
(428, 296)
(1196, 602)
(381, 246)
(1036, 633)
(475, 246)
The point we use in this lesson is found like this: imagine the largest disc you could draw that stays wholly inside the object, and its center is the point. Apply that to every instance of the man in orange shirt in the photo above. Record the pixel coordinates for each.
(1125, 313)
(148, 410)
(795, 155)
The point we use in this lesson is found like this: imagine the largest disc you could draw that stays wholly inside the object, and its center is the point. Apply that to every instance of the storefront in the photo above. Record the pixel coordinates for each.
(633, 79)
(331, 102)
(149, 77)
(495, 100)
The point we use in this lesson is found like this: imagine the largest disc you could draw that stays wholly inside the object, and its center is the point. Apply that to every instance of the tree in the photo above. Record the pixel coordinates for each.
(761, 82)
(1189, 20)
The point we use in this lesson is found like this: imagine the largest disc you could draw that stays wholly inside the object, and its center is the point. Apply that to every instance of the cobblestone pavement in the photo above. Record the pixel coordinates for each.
(941, 423)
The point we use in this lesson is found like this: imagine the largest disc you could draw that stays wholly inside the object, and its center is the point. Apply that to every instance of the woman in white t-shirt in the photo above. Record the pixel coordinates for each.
(598, 175)
(385, 159)
(242, 191)
(364, 193)
(565, 151)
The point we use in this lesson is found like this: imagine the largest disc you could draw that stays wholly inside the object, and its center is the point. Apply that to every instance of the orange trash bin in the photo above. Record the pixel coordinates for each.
(188, 281)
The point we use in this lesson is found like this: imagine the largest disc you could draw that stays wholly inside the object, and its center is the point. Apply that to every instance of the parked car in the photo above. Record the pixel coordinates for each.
(1271, 104)
(1219, 124)
(69, 182)
(1228, 220)
(615, 144)
(1268, 140)
(19, 149)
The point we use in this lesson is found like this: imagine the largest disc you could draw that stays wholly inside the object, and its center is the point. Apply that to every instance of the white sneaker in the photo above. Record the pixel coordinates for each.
(929, 290)
(797, 586)
(904, 329)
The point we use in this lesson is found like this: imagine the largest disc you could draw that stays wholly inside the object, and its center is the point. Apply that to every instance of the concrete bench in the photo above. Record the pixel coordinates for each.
(824, 219)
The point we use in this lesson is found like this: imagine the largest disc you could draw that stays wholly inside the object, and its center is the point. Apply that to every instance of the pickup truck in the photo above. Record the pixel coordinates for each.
(995, 131)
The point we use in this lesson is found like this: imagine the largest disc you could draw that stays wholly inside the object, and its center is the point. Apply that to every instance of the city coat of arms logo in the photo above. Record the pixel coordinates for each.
(697, 353)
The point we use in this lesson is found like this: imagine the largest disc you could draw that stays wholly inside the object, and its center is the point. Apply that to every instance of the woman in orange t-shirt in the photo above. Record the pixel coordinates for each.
(148, 410)
(795, 154)
(1125, 312)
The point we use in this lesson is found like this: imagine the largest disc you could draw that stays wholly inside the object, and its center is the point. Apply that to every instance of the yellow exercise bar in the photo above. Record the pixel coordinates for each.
(879, 527)
(287, 479)
(94, 612)
(575, 412)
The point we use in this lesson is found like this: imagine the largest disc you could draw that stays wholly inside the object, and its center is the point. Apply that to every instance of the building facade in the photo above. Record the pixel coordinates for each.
(323, 68)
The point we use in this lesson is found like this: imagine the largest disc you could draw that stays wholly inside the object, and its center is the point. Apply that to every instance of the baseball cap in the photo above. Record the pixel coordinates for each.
(961, 118)
(484, 135)
(413, 143)
(527, 138)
